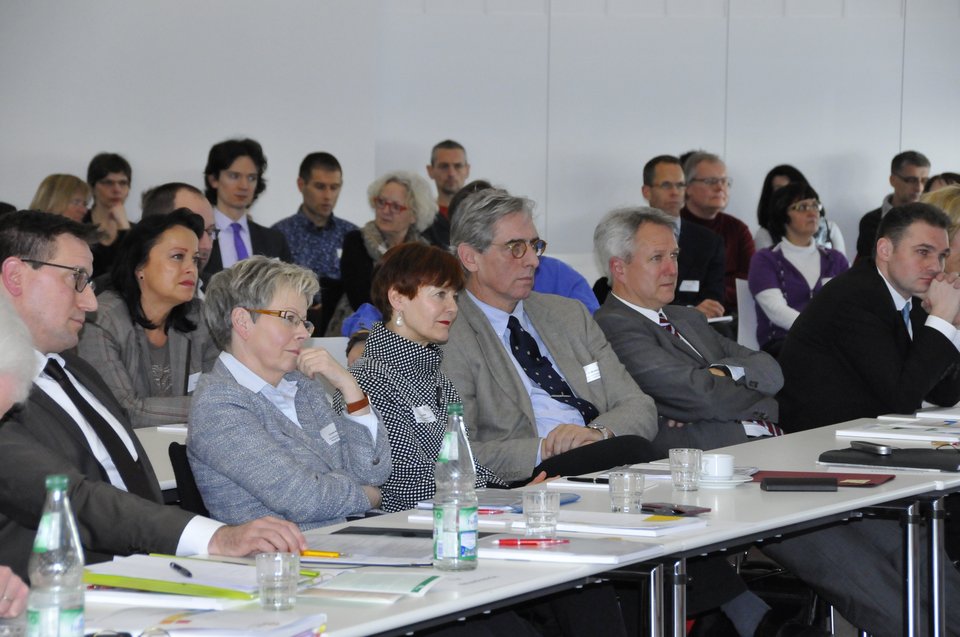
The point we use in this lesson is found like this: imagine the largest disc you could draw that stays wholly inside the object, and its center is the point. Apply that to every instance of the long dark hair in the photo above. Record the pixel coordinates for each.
(133, 254)
(780, 204)
(766, 193)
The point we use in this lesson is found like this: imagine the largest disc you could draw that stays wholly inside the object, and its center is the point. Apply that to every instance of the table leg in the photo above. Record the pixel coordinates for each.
(679, 594)
(655, 600)
(938, 613)
(911, 560)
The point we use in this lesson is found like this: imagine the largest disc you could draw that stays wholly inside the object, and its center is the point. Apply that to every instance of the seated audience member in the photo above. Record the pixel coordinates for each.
(785, 277)
(507, 335)
(909, 174)
(165, 198)
(62, 195)
(828, 232)
(941, 181)
(415, 288)
(947, 199)
(234, 179)
(263, 440)
(449, 170)
(147, 337)
(109, 176)
(402, 208)
(72, 424)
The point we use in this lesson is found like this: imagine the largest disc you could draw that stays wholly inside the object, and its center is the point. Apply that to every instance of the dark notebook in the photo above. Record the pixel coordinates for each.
(946, 459)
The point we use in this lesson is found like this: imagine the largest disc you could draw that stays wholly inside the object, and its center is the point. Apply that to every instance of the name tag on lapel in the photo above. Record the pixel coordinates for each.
(330, 434)
(690, 285)
(424, 415)
(192, 382)
(592, 371)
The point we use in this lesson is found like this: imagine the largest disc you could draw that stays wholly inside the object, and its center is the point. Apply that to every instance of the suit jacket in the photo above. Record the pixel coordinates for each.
(41, 439)
(250, 460)
(676, 376)
(118, 347)
(867, 239)
(848, 355)
(702, 259)
(495, 403)
(263, 240)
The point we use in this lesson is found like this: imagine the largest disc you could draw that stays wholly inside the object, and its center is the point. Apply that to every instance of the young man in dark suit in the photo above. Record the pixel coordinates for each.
(234, 180)
(72, 424)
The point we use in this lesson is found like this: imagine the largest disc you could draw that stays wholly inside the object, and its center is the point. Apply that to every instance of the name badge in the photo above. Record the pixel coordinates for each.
(689, 286)
(192, 381)
(424, 415)
(592, 372)
(330, 434)
(339, 252)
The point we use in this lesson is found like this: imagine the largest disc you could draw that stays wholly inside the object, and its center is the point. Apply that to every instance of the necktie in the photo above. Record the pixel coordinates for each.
(667, 325)
(238, 243)
(541, 372)
(131, 471)
(905, 313)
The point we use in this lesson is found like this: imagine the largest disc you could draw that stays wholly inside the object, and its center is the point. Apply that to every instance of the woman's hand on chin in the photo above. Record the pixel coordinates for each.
(318, 361)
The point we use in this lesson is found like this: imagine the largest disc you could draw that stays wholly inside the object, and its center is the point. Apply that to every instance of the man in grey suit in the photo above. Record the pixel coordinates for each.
(503, 327)
(710, 392)
(72, 424)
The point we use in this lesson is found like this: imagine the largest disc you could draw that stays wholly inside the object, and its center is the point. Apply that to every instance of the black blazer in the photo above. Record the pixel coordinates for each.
(703, 259)
(848, 355)
(867, 239)
(264, 240)
(41, 439)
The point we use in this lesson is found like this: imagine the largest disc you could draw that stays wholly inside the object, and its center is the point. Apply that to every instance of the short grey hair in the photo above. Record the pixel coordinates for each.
(19, 359)
(694, 160)
(251, 283)
(419, 197)
(614, 235)
(478, 214)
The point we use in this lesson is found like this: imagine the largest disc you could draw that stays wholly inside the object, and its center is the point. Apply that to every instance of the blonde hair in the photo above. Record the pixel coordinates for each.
(948, 200)
(56, 191)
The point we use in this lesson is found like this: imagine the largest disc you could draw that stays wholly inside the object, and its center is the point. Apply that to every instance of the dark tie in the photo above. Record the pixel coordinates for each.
(667, 325)
(542, 373)
(129, 469)
(238, 243)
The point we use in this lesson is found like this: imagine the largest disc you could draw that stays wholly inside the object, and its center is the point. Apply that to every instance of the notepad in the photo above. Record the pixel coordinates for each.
(153, 573)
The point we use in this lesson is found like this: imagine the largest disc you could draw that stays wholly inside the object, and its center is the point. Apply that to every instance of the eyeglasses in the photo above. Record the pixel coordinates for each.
(392, 206)
(670, 185)
(714, 181)
(913, 181)
(806, 206)
(292, 318)
(81, 278)
(213, 232)
(518, 247)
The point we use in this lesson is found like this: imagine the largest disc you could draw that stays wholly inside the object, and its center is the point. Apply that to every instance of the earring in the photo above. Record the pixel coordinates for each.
(399, 320)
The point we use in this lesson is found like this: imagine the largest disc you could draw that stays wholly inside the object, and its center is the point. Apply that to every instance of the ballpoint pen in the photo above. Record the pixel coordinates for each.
(180, 569)
(531, 541)
(589, 480)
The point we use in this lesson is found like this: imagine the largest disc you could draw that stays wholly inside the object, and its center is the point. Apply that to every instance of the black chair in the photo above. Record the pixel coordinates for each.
(190, 498)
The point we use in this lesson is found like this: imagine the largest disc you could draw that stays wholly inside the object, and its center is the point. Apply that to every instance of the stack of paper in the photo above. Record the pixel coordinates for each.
(154, 573)
(249, 620)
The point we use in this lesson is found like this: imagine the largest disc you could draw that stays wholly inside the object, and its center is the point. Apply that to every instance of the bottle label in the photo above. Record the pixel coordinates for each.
(449, 450)
(48, 533)
(55, 622)
(455, 532)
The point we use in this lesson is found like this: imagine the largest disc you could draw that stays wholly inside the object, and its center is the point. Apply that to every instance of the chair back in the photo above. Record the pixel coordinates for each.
(190, 498)
(746, 316)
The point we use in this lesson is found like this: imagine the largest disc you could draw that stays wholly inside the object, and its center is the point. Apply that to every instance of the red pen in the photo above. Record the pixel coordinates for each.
(532, 541)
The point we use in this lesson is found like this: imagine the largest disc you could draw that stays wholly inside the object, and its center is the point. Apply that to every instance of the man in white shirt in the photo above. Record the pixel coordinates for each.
(72, 424)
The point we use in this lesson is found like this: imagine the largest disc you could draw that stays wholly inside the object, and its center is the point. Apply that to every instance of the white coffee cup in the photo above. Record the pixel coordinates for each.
(717, 465)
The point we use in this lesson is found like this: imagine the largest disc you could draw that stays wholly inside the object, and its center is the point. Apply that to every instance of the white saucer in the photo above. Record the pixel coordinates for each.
(723, 483)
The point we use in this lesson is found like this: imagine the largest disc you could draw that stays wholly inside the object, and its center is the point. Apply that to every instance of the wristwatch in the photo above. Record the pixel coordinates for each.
(606, 433)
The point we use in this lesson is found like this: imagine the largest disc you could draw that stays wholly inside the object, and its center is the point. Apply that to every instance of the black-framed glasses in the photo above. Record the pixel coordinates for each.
(213, 232)
(714, 181)
(913, 181)
(518, 247)
(81, 278)
(292, 318)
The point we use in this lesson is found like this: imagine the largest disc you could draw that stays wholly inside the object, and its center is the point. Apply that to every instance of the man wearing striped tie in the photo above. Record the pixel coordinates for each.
(710, 391)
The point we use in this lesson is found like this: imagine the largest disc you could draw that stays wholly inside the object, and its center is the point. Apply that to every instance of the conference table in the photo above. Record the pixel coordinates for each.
(738, 517)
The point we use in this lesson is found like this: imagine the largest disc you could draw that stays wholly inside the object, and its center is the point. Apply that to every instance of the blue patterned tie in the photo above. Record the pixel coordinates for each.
(542, 373)
(905, 312)
(238, 243)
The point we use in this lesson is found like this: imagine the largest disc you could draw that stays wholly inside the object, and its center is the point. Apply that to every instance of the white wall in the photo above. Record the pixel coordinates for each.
(561, 100)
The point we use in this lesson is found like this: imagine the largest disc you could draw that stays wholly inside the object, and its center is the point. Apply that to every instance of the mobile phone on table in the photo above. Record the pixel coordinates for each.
(871, 447)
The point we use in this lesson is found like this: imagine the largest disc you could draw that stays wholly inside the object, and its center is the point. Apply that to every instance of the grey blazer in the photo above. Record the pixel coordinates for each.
(118, 348)
(495, 402)
(250, 460)
(678, 379)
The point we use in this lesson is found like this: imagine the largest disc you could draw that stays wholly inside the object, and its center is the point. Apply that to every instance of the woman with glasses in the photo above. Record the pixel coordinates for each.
(65, 195)
(828, 233)
(415, 288)
(146, 337)
(263, 439)
(403, 207)
(785, 277)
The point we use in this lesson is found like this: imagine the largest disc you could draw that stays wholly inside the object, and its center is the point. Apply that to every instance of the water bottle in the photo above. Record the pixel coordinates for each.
(55, 605)
(455, 501)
